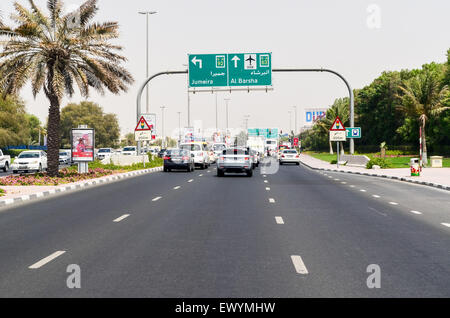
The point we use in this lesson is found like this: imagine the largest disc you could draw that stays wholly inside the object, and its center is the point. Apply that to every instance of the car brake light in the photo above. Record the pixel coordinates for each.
(247, 158)
(222, 158)
(282, 156)
(297, 156)
(166, 158)
(185, 158)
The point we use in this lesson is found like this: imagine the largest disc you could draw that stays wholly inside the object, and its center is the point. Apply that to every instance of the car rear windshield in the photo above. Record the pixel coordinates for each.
(105, 150)
(129, 149)
(177, 152)
(290, 151)
(191, 147)
(218, 147)
(29, 155)
(234, 151)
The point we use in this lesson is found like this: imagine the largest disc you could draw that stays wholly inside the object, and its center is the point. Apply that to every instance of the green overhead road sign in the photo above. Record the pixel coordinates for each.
(353, 132)
(239, 69)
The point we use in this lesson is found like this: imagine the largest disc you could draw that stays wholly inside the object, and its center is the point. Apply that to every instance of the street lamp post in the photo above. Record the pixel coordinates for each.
(179, 127)
(217, 120)
(163, 143)
(295, 108)
(226, 101)
(147, 13)
(290, 121)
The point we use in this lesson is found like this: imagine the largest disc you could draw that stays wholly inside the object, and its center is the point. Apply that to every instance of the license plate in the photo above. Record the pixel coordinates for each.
(22, 167)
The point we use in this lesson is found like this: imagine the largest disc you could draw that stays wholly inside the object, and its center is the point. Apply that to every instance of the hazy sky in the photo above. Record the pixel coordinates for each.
(345, 36)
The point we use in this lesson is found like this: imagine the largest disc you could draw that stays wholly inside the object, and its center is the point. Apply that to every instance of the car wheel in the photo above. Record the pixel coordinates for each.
(220, 173)
(165, 169)
(6, 167)
(298, 163)
(281, 163)
(250, 173)
(15, 171)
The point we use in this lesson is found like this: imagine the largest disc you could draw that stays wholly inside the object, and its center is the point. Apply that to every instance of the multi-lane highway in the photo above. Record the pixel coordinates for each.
(297, 233)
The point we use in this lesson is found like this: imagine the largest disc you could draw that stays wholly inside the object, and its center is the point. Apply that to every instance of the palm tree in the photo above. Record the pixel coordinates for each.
(422, 98)
(339, 108)
(56, 51)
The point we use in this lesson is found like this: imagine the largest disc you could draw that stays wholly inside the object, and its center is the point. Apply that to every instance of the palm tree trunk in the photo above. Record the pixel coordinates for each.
(424, 145)
(54, 138)
(331, 147)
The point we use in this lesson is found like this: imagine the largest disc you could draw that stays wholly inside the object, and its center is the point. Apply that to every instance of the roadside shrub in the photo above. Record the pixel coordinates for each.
(383, 163)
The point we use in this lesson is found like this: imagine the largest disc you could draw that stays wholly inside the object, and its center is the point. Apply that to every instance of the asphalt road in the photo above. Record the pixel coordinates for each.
(197, 235)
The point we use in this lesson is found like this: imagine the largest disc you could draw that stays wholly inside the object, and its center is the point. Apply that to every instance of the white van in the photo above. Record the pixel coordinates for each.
(199, 152)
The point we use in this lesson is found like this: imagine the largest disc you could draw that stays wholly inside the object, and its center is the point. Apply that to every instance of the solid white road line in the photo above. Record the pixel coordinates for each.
(299, 265)
(46, 260)
(121, 218)
(375, 196)
(156, 199)
(393, 203)
(446, 224)
(177, 187)
(415, 212)
(279, 220)
(272, 200)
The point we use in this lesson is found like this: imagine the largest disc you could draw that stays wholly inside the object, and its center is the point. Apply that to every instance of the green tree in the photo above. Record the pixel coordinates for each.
(422, 98)
(56, 51)
(107, 130)
(128, 141)
(14, 129)
(35, 127)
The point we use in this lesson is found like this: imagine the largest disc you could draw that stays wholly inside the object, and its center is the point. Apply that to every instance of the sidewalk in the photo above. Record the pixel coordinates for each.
(436, 177)
(17, 194)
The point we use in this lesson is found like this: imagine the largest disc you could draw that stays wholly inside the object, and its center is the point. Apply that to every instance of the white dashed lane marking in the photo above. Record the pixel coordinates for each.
(272, 200)
(375, 196)
(279, 220)
(446, 224)
(393, 203)
(362, 190)
(191, 180)
(299, 265)
(415, 212)
(46, 260)
(177, 187)
(156, 199)
(121, 218)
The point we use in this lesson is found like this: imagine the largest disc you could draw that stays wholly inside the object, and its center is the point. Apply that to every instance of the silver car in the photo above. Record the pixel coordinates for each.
(235, 160)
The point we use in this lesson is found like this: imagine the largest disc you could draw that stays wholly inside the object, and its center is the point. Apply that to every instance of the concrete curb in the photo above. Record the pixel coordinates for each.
(105, 180)
(430, 184)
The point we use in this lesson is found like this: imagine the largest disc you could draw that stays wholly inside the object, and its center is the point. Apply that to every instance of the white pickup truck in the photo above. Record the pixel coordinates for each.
(5, 161)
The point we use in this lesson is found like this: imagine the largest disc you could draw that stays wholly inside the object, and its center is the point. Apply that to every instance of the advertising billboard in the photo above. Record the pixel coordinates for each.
(314, 114)
(83, 144)
(188, 134)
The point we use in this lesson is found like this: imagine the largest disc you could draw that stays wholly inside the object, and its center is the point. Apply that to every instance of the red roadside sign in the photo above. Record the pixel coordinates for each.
(142, 125)
(295, 142)
(337, 125)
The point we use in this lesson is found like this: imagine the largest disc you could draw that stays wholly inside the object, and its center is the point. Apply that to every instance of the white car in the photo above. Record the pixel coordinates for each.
(200, 153)
(5, 161)
(35, 160)
(64, 157)
(129, 151)
(104, 153)
(289, 156)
